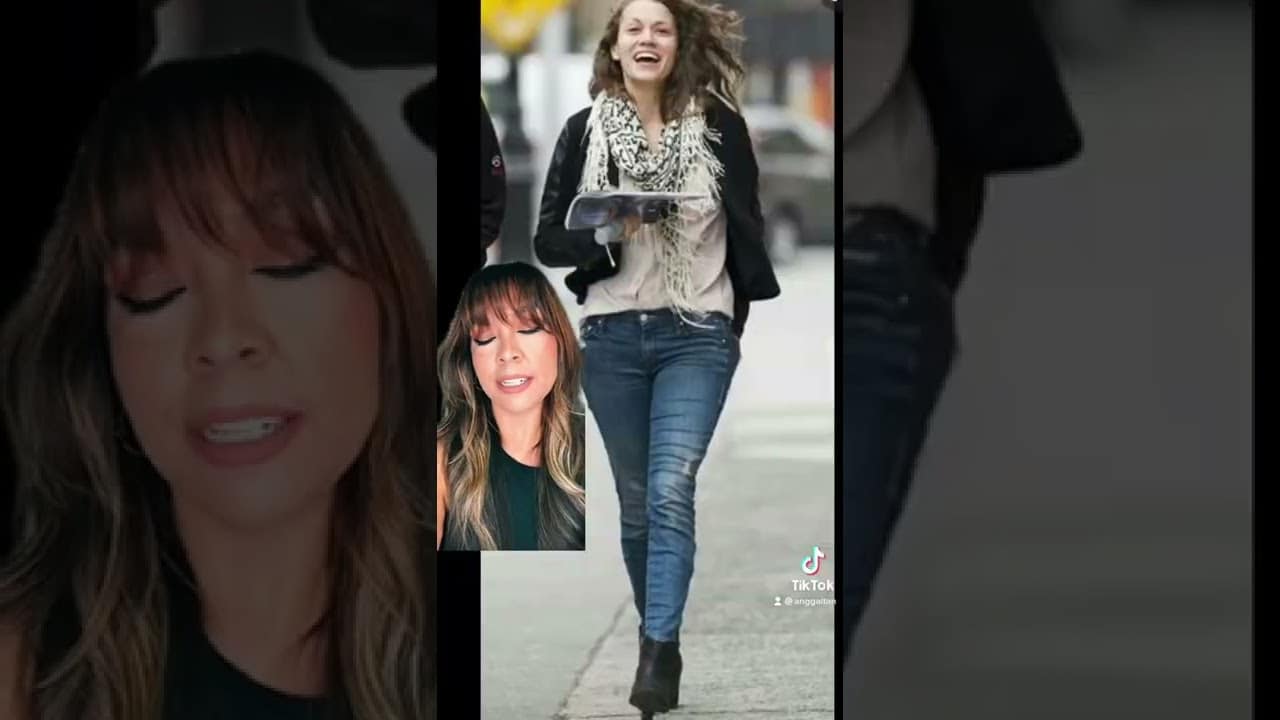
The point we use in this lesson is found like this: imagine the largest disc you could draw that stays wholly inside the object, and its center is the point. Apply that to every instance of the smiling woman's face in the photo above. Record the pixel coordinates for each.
(517, 365)
(248, 369)
(647, 42)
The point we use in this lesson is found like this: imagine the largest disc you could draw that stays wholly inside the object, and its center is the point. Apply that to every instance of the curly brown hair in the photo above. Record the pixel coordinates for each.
(708, 56)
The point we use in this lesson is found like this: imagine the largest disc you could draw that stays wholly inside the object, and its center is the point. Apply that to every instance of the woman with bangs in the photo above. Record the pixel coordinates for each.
(220, 387)
(509, 456)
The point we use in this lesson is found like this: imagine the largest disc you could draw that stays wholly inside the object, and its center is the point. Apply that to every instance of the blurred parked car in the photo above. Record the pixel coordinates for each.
(796, 156)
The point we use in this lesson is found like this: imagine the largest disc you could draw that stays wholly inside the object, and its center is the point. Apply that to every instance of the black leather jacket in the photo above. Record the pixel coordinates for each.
(996, 105)
(748, 263)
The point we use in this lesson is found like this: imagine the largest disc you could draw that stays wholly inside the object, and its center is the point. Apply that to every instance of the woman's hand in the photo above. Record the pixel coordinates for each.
(620, 229)
(631, 226)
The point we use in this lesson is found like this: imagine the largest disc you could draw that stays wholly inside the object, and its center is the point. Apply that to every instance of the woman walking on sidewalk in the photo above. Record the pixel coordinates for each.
(665, 301)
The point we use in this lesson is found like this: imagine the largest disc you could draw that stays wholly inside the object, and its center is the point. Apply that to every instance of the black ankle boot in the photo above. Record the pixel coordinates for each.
(657, 685)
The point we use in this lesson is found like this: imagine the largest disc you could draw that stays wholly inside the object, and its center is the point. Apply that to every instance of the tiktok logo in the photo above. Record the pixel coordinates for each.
(812, 564)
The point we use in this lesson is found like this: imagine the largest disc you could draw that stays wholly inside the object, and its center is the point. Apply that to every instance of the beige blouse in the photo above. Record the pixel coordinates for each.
(639, 282)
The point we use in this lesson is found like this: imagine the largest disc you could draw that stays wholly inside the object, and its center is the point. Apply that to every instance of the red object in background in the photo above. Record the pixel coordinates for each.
(822, 99)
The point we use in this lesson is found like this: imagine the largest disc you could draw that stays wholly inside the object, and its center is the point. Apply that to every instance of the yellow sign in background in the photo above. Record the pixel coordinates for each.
(513, 24)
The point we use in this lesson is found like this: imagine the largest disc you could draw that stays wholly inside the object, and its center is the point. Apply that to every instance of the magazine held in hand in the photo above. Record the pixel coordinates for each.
(596, 210)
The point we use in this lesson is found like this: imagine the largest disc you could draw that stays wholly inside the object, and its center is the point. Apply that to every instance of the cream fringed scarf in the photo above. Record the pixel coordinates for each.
(685, 163)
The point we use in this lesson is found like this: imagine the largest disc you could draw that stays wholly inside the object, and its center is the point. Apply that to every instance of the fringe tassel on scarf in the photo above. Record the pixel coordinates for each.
(684, 164)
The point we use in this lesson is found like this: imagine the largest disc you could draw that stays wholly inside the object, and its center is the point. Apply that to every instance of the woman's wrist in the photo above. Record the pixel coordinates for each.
(608, 233)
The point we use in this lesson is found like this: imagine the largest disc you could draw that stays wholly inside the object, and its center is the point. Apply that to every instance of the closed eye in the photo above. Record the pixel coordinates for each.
(143, 306)
(479, 341)
(530, 331)
(290, 272)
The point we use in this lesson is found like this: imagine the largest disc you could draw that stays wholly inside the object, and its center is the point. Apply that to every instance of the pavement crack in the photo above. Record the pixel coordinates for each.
(591, 657)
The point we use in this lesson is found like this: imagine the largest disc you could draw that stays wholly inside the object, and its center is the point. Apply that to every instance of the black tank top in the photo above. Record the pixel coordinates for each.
(199, 683)
(203, 685)
(513, 492)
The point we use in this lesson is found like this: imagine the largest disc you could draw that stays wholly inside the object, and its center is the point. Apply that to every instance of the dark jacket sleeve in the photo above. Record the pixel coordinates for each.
(554, 245)
(996, 104)
(991, 83)
(749, 265)
(742, 192)
(493, 181)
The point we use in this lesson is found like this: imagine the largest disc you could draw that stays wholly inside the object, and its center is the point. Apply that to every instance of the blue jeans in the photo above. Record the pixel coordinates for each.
(656, 386)
(899, 344)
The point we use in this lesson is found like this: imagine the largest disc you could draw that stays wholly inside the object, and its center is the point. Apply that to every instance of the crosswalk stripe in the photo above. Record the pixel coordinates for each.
(786, 433)
(815, 451)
